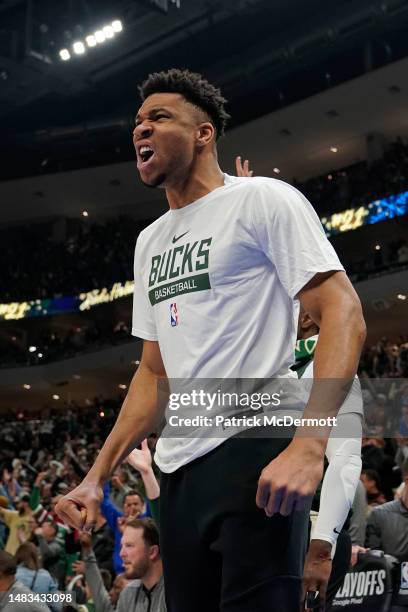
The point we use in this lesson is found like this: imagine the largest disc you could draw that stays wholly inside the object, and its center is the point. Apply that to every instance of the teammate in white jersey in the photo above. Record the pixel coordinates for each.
(341, 477)
(215, 282)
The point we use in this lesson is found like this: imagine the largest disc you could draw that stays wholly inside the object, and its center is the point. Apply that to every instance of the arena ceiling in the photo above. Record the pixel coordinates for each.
(265, 55)
(296, 139)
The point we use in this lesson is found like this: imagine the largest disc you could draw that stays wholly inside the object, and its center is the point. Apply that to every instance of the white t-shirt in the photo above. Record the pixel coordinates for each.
(215, 284)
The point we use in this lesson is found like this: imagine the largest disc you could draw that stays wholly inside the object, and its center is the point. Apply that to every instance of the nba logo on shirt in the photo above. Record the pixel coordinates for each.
(174, 318)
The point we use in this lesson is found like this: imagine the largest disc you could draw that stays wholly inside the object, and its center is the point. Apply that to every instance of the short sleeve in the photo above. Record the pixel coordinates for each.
(291, 235)
(143, 323)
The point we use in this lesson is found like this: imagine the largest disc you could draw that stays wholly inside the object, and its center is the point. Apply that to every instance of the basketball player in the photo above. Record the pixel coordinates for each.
(215, 282)
(340, 480)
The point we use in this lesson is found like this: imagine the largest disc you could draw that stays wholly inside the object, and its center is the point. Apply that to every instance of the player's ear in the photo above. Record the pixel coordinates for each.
(205, 134)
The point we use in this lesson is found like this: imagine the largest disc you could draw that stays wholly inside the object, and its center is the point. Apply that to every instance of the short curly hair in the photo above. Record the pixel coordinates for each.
(194, 88)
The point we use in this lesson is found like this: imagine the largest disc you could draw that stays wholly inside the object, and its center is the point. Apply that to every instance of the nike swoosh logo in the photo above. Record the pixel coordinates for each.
(335, 531)
(176, 238)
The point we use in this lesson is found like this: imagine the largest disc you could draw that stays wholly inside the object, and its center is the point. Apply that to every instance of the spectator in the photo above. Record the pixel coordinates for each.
(375, 457)
(9, 486)
(371, 482)
(403, 424)
(16, 520)
(140, 552)
(102, 600)
(10, 587)
(387, 527)
(30, 573)
(51, 551)
(119, 487)
(402, 449)
(3, 526)
(132, 508)
(103, 543)
(141, 460)
(357, 523)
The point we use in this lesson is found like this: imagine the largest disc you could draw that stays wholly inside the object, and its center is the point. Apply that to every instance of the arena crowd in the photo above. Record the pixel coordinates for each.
(55, 450)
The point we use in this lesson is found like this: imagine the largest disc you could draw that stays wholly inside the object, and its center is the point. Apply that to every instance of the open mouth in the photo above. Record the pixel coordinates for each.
(146, 153)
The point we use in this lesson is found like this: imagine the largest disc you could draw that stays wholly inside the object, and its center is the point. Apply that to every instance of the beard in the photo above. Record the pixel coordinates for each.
(158, 181)
(137, 571)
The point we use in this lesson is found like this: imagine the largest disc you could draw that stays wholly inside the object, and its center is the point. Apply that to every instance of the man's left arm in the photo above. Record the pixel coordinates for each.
(291, 479)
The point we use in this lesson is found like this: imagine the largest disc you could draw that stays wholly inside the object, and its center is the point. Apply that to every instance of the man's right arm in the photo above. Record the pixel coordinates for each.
(141, 413)
(94, 580)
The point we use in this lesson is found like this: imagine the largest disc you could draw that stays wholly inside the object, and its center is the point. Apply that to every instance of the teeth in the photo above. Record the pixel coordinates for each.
(145, 149)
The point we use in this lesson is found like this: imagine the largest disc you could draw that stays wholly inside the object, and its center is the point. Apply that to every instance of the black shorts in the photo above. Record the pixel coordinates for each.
(220, 552)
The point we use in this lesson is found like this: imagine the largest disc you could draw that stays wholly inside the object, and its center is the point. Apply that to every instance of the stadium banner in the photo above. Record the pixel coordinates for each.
(337, 223)
(375, 212)
(368, 586)
(14, 311)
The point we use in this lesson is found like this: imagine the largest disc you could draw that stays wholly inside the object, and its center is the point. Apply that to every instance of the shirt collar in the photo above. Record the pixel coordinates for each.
(150, 591)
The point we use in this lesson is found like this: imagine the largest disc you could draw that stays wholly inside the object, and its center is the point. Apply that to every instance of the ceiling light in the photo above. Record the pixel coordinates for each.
(40, 355)
(102, 414)
(100, 36)
(117, 25)
(55, 397)
(85, 213)
(27, 386)
(333, 149)
(78, 47)
(276, 170)
(401, 296)
(91, 41)
(122, 386)
(377, 247)
(329, 177)
(32, 349)
(109, 31)
(65, 54)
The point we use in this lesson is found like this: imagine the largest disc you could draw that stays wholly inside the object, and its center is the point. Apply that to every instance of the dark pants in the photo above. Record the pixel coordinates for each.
(220, 552)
